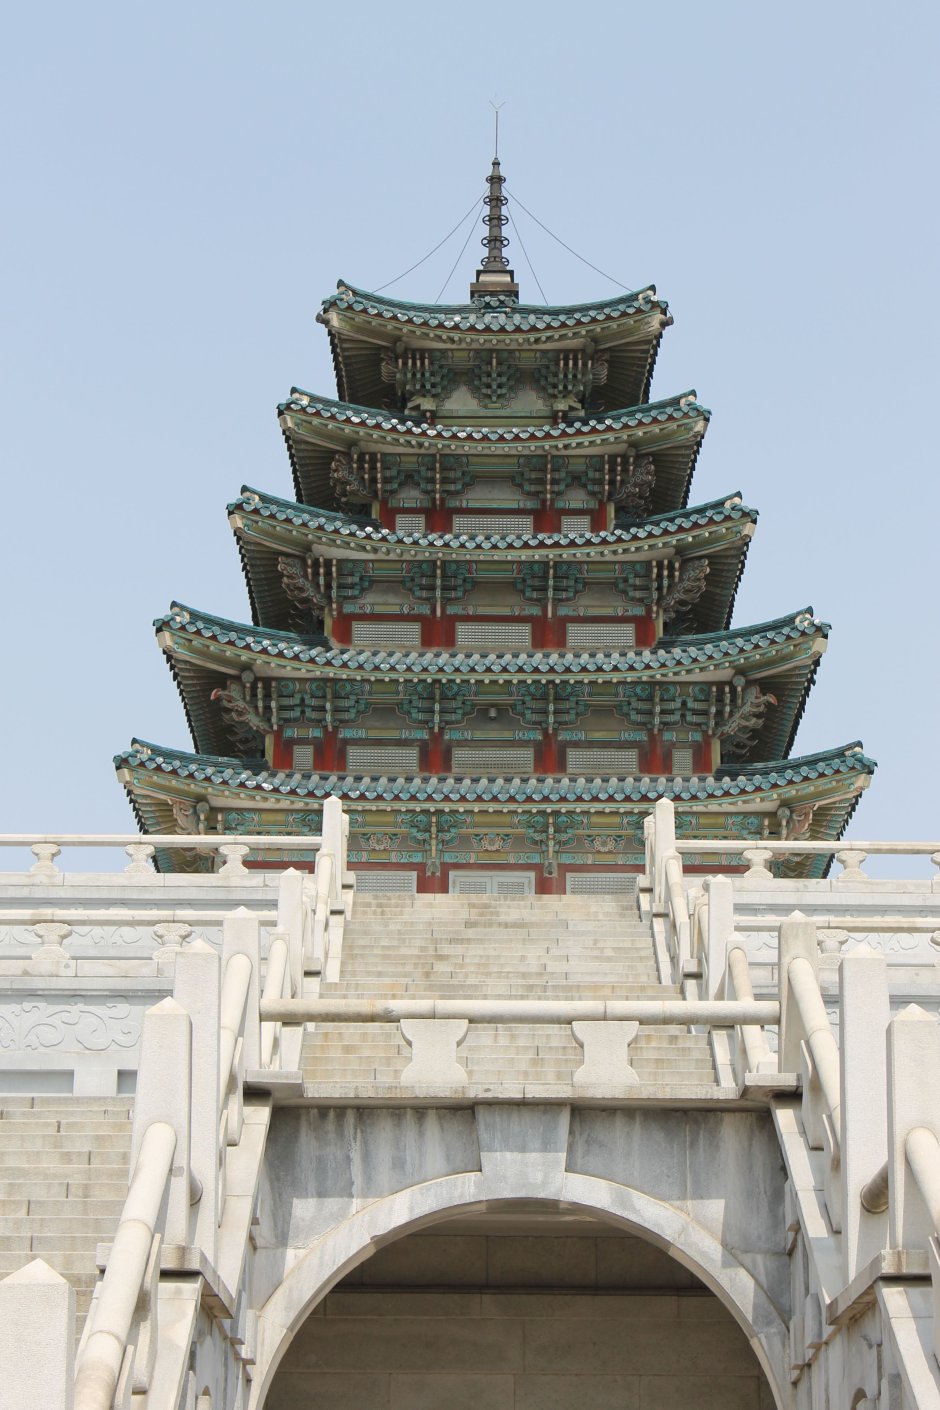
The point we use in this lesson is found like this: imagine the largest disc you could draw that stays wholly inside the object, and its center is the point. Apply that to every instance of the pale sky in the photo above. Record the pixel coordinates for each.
(185, 182)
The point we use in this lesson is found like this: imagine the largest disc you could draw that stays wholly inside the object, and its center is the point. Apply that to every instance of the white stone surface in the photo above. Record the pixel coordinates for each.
(37, 1340)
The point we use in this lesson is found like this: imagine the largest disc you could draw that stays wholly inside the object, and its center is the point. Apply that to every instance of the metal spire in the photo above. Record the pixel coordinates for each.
(494, 275)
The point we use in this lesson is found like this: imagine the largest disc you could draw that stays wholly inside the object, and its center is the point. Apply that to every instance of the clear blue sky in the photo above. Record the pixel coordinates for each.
(185, 182)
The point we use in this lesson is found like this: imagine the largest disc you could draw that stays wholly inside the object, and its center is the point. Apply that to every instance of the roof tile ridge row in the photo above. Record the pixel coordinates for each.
(849, 757)
(794, 624)
(684, 405)
(362, 526)
(644, 299)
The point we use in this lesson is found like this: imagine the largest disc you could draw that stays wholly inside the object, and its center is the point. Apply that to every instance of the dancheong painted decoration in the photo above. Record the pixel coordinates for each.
(489, 620)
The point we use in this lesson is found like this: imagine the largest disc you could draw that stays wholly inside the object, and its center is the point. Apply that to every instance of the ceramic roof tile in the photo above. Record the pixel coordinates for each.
(684, 407)
(848, 761)
(671, 654)
(490, 314)
(265, 506)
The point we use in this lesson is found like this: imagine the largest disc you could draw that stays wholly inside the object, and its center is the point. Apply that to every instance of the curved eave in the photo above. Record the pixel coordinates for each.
(266, 527)
(359, 349)
(152, 773)
(764, 647)
(527, 319)
(315, 429)
(202, 652)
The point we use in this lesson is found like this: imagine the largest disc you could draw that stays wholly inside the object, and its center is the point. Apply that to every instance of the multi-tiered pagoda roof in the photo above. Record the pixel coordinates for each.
(490, 621)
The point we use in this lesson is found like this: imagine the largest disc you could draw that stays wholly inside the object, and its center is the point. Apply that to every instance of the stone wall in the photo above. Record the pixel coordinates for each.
(575, 1321)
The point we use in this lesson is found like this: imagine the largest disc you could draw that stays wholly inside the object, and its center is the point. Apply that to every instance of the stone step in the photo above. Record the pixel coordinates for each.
(452, 989)
(90, 1208)
(79, 1226)
(499, 934)
(65, 1104)
(62, 1189)
(53, 1127)
(83, 1162)
(64, 1141)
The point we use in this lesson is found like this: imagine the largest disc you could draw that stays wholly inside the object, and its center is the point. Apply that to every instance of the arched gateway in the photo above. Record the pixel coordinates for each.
(547, 1234)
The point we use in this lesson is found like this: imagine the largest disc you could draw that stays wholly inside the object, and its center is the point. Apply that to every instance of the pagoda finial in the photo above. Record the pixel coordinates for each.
(494, 275)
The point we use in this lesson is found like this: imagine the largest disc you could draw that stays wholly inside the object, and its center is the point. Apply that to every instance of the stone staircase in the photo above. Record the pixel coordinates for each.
(533, 947)
(63, 1182)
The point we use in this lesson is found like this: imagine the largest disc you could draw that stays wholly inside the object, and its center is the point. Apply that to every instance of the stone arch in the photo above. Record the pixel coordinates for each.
(352, 1241)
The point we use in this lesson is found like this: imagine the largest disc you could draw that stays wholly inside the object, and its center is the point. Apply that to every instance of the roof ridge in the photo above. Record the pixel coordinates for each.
(432, 659)
(379, 301)
(298, 394)
(371, 528)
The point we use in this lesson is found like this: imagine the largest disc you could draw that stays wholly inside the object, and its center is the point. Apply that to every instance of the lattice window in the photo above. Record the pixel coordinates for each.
(386, 633)
(615, 761)
(600, 636)
(682, 762)
(409, 523)
(493, 524)
(482, 883)
(494, 636)
(302, 757)
(382, 757)
(378, 881)
(576, 523)
(604, 883)
(496, 759)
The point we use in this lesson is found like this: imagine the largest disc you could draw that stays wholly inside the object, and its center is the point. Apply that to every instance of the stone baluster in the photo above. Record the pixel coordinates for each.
(606, 1048)
(233, 855)
(935, 882)
(170, 936)
(140, 854)
(44, 867)
(758, 860)
(50, 957)
(851, 862)
(434, 1043)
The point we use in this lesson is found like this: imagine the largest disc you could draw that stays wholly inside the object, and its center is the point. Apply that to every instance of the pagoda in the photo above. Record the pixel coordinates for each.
(489, 621)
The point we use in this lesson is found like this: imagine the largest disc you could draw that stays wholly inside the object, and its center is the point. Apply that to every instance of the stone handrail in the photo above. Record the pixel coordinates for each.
(737, 985)
(922, 1150)
(276, 986)
(678, 912)
(112, 1313)
(235, 987)
(718, 1012)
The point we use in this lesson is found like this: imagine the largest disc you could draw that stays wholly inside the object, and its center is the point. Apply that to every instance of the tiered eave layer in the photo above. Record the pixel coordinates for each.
(362, 326)
(156, 778)
(267, 527)
(316, 428)
(783, 655)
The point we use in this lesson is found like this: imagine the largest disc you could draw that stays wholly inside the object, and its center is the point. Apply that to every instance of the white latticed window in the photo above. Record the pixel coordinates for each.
(575, 523)
(494, 636)
(607, 761)
(386, 634)
(303, 757)
(409, 523)
(495, 760)
(600, 636)
(682, 760)
(493, 523)
(602, 883)
(382, 758)
(493, 883)
(372, 881)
